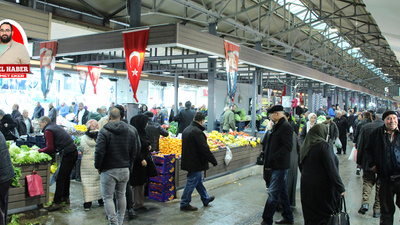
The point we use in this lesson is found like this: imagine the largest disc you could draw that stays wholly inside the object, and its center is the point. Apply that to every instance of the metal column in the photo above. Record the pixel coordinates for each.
(211, 84)
(176, 86)
(310, 96)
(135, 12)
(346, 100)
(253, 108)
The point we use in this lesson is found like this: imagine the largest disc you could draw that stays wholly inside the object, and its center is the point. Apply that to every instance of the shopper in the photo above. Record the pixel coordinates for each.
(333, 131)
(312, 120)
(6, 175)
(144, 166)
(369, 177)
(159, 118)
(171, 114)
(143, 109)
(384, 158)
(73, 108)
(15, 111)
(82, 116)
(331, 111)
(116, 148)
(341, 123)
(229, 122)
(59, 141)
(63, 109)
(277, 159)
(95, 115)
(52, 113)
(154, 130)
(321, 185)
(89, 175)
(184, 117)
(367, 118)
(24, 124)
(7, 126)
(38, 111)
(195, 157)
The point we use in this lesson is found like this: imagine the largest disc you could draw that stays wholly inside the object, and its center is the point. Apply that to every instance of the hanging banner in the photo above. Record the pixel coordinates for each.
(135, 43)
(48, 52)
(283, 92)
(231, 62)
(82, 73)
(94, 73)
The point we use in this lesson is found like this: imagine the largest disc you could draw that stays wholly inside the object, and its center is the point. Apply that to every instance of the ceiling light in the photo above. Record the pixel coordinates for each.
(213, 56)
(370, 60)
(333, 29)
(379, 68)
(103, 66)
(68, 58)
(357, 48)
(386, 74)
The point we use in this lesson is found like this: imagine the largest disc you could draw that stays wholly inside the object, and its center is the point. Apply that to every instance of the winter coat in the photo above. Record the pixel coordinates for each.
(195, 151)
(364, 136)
(61, 139)
(333, 132)
(358, 129)
(38, 112)
(278, 146)
(342, 126)
(116, 147)
(84, 117)
(8, 131)
(21, 126)
(94, 115)
(229, 122)
(6, 168)
(53, 115)
(139, 174)
(15, 114)
(380, 154)
(154, 130)
(184, 118)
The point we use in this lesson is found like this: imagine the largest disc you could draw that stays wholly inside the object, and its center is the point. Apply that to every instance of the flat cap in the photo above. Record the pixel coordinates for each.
(275, 108)
(387, 113)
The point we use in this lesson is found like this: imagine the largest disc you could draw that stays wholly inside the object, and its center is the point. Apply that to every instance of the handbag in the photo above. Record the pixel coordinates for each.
(35, 184)
(151, 167)
(341, 217)
(260, 159)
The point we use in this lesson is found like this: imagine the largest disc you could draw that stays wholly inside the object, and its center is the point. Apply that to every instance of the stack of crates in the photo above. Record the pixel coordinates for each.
(162, 187)
(32, 139)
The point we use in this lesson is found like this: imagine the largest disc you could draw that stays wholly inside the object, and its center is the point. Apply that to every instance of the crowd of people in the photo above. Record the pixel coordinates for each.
(116, 159)
(375, 137)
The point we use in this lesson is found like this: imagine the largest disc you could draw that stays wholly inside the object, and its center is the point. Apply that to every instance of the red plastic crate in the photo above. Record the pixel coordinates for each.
(162, 178)
(160, 187)
(165, 168)
(167, 159)
(161, 197)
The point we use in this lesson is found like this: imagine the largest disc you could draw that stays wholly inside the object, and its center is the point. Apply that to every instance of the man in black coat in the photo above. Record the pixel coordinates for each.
(195, 157)
(7, 126)
(277, 150)
(383, 156)
(341, 123)
(52, 113)
(38, 111)
(369, 177)
(82, 115)
(154, 130)
(6, 175)
(24, 124)
(184, 117)
(15, 111)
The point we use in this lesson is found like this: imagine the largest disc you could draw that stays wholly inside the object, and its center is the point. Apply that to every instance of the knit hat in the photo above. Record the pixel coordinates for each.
(92, 125)
(387, 113)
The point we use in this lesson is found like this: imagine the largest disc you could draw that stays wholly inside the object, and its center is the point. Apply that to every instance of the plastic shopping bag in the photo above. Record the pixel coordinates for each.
(35, 184)
(338, 144)
(228, 155)
(353, 154)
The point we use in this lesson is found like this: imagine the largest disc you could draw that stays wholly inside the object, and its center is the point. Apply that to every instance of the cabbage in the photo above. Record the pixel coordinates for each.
(25, 148)
(14, 150)
(242, 112)
(237, 117)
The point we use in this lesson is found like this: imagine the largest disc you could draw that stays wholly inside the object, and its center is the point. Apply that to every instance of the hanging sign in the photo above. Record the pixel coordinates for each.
(231, 62)
(48, 52)
(94, 73)
(82, 73)
(135, 43)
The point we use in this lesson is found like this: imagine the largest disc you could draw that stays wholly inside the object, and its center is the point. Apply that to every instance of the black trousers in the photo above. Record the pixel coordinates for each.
(343, 139)
(63, 179)
(387, 191)
(4, 187)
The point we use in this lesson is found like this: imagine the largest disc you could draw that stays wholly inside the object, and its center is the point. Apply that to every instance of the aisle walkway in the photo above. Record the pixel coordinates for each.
(236, 203)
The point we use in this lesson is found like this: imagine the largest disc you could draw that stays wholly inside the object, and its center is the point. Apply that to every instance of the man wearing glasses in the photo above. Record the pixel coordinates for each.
(11, 52)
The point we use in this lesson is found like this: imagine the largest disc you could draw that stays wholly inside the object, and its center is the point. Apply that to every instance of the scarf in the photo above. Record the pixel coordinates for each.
(315, 135)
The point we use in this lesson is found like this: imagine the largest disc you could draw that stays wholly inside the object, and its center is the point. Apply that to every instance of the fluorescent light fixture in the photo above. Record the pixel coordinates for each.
(103, 66)
(213, 56)
(357, 48)
(370, 60)
(333, 29)
(386, 74)
(68, 58)
(62, 60)
(379, 68)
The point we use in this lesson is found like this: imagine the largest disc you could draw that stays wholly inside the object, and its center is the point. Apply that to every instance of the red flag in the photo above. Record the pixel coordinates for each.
(283, 92)
(135, 43)
(232, 60)
(94, 73)
(301, 99)
(48, 52)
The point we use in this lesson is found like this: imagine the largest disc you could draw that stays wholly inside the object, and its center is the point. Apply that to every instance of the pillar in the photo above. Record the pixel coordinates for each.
(135, 12)
(212, 100)
(310, 102)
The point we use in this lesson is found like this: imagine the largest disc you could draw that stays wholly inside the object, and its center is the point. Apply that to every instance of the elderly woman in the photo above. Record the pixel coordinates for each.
(312, 119)
(321, 185)
(89, 175)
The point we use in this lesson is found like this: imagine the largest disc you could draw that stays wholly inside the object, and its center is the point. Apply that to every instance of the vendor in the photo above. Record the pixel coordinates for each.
(59, 141)
(229, 122)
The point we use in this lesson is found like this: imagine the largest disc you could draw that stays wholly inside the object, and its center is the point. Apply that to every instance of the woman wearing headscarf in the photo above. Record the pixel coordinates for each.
(89, 175)
(321, 185)
(143, 109)
(143, 167)
(312, 120)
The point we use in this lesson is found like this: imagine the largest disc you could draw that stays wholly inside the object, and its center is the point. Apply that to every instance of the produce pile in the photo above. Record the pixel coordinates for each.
(77, 130)
(169, 145)
(22, 156)
(233, 139)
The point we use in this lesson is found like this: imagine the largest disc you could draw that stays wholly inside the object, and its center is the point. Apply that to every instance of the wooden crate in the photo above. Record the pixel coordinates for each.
(241, 157)
(19, 196)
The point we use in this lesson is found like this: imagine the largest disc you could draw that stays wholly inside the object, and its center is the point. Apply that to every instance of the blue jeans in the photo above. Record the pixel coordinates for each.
(277, 191)
(194, 180)
(114, 181)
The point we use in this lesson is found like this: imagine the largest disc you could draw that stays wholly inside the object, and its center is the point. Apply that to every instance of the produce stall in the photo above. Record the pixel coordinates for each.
(26, 160)
(244, 150)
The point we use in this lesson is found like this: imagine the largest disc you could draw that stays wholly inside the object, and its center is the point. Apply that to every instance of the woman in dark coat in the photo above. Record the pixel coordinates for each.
(321, 185)
(143, 162)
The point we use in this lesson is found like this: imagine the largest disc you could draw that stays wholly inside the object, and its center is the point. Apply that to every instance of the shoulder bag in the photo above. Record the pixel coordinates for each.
(341, 217)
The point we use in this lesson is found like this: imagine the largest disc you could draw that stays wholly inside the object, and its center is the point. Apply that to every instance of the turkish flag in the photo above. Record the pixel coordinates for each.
(135, 43)
(94, 73)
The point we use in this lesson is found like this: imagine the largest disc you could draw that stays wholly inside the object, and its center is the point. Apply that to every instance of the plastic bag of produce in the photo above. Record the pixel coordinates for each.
(228, 156)
(35, 184)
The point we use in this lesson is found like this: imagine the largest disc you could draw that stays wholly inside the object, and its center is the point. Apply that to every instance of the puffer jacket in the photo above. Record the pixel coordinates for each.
(117, 146)
(6, 168)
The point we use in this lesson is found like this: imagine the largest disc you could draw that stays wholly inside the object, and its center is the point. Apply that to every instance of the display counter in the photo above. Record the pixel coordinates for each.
(241, 157)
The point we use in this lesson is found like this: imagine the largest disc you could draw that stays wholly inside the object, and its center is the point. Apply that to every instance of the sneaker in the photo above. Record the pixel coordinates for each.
(211, 199)
(54, 207)
(87, 206)
(188, 208)
(364, 208)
